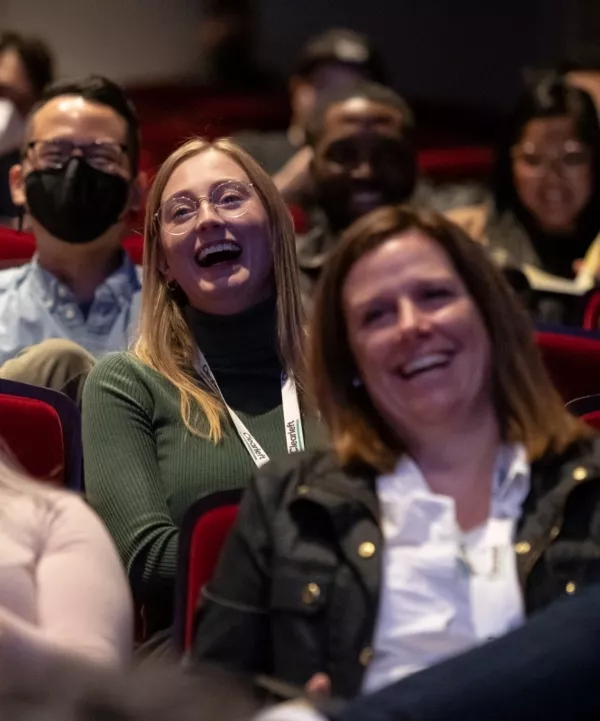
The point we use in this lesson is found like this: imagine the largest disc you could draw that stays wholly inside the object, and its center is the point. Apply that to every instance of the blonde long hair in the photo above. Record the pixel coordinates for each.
(166, 343)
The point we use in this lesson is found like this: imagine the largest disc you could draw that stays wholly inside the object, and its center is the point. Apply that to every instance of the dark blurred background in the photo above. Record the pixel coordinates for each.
(459, 62)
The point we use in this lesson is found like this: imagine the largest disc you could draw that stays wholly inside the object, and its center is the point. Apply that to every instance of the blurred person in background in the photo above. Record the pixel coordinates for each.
(26, 68)
(459, 499)
(63, 591)
(363, 141)
(229, 33)
(334, 59)
(77, 180)
(544, 215)
(214, 386)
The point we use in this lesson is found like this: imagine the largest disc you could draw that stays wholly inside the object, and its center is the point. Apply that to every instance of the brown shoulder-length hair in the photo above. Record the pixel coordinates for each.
(166, 343)
(528, 406)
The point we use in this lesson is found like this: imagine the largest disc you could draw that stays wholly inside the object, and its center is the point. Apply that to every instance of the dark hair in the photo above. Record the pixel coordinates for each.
(35, 56)
(344, 47)
(374, 92)
(528, 407)
(101, 90)
(549, 96)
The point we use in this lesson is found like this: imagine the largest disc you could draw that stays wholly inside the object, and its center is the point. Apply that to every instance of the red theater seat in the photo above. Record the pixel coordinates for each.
(591, 313)
(456, 163)
(17, 248)
(573, 363)
(203, 533)
(588, 409)
(42, 428)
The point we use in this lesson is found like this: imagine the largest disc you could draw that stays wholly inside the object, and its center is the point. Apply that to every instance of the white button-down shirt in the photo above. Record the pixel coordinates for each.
(35, 306)
(444, 591)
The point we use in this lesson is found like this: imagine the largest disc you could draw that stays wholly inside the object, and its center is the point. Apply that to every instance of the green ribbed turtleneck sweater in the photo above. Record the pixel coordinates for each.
(143, 469)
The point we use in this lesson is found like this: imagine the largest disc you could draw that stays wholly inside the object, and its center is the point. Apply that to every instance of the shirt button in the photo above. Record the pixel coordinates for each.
(366, 549)
(310, 594)
(580, 473)
(522, 548)
(366, 656)
(69, 313)
(570, 588)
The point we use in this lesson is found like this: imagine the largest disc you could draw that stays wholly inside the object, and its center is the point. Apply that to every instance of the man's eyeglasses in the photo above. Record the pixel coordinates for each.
(229, 199)
(55, 154)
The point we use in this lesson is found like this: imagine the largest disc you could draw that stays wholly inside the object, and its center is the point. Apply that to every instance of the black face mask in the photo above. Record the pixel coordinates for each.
(76, 203)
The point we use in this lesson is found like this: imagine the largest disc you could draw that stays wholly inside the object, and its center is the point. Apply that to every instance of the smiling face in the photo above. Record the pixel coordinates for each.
(552, 172)
(222, 260)
(362, 160)
(417, 337)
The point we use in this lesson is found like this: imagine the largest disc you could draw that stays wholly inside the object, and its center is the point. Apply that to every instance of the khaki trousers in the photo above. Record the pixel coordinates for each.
(56, 363)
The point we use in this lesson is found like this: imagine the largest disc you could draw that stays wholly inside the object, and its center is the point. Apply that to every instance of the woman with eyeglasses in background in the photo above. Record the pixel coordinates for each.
(544, 215)
(214, 385)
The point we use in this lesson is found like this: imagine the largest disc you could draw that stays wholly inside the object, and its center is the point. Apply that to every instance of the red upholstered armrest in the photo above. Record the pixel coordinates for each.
(206, 544)
(33, 431)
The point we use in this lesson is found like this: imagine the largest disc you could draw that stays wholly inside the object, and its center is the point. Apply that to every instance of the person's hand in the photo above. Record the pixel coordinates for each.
(293, 180)
(318, 688)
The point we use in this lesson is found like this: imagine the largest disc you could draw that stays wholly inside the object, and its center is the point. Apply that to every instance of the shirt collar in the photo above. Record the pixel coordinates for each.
(121, 284)
(510, 483)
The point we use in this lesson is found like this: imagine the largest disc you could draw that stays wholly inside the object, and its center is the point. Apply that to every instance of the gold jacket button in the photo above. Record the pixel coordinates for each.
(310, 593)
(554, 532)
(366, 656)
(580, 473)
(302, 490)
(570, 588)
(366, 549)
(522, 548)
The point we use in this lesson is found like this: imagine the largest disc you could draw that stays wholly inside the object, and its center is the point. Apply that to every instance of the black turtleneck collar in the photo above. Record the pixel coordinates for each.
(247, 336)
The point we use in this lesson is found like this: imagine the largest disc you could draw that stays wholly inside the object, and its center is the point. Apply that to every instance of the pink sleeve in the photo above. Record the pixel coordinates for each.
(83, 599)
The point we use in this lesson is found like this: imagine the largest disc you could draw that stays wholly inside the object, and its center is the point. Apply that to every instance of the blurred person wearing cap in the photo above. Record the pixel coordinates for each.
(337, 58)
(363, 144)
(26, 67)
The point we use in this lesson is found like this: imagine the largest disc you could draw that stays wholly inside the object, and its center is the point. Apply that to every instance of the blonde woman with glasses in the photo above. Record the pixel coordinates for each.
(214, 385)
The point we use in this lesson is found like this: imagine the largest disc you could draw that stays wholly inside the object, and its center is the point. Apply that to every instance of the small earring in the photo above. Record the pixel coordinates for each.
(357, 382)
(172, 286)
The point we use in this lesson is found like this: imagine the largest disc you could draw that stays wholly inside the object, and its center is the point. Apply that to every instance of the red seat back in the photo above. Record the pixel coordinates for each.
(33, 432)
(42, 427)
(573, 363)
(592, 419)
(17, 248)
(591, 313)
(588, 409)
(203, 534)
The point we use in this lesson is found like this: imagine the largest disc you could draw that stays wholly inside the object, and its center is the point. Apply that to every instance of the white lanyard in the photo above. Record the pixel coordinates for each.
(292, 419)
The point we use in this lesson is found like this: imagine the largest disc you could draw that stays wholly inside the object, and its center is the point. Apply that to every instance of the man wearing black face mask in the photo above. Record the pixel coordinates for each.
(77, 181)
(364, 156)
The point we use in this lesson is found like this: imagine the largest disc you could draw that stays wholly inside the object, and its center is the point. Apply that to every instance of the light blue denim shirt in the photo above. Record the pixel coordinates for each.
(35, 306)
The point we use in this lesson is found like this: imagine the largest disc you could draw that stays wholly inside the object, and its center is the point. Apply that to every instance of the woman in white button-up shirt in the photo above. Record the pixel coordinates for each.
(460, 495)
